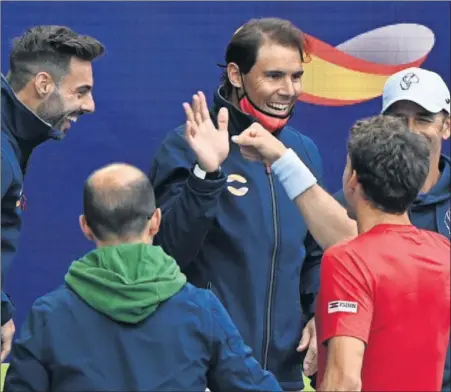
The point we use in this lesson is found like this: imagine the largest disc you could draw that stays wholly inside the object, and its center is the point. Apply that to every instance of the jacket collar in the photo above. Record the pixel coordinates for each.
(238, 120)
(21, 123)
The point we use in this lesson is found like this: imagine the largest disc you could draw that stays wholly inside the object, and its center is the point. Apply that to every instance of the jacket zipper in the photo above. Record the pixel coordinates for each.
(272, 269)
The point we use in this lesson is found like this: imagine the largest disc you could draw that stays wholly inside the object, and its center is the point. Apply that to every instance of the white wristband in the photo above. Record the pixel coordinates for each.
(292, 173)
(199, 173)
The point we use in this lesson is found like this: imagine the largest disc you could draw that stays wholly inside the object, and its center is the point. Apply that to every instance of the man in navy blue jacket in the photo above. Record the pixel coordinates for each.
(423, 99)
(126, 320)
(48, 87)
(229, 223)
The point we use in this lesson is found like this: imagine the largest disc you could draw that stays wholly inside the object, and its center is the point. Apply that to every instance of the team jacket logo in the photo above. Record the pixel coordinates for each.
(237, 191)
(342, 306)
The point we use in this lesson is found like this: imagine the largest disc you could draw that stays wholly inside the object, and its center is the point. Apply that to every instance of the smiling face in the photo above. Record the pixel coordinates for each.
(435, 126)
(71, 98)
(274, 82)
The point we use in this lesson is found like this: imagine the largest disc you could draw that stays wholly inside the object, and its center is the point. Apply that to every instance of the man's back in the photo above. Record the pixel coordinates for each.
(405, 276)
(187, 344)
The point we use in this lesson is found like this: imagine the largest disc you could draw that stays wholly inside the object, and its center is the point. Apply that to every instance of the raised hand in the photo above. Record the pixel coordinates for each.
(257, 144)
(210, 145)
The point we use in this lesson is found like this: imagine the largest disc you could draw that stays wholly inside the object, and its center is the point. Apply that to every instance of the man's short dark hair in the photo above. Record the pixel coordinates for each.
(48, 49)
(119, 212)
(246, 42)
(391, 162)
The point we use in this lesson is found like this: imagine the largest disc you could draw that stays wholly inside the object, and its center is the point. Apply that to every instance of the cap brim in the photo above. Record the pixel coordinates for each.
(430, 107)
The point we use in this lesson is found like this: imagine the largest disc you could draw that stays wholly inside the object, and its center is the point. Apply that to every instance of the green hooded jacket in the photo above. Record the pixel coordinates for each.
(126, 282)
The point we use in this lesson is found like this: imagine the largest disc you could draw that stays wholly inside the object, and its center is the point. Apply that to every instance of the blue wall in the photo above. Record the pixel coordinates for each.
(158, 55)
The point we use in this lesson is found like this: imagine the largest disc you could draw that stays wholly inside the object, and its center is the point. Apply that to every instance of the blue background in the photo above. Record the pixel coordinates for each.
(158, 55)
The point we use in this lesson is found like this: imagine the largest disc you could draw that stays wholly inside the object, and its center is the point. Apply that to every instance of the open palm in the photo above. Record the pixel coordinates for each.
(210, 145)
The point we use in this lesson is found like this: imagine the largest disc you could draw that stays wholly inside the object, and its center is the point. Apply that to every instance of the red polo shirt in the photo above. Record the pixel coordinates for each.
(389, 287)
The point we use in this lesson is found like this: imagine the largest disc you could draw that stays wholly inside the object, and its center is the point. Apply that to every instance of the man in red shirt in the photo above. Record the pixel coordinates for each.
(383, 309)
(384, 299)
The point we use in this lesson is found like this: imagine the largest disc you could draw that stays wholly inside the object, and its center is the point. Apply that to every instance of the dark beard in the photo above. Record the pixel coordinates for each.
(52, 111)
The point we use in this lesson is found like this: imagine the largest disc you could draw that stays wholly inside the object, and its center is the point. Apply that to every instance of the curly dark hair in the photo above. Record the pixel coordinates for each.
(391, 161)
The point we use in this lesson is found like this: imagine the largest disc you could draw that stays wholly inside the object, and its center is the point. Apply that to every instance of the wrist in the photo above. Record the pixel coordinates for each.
(278, 154)
(293, 174)
(203, 174)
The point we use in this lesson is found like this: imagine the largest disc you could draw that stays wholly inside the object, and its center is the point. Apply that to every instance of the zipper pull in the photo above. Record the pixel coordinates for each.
(268, 169)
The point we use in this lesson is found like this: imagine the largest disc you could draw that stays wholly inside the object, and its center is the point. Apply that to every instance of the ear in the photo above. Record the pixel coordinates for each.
(43, 84)
(85, 228)
(233, 72)
(446, 129)
(154, 223)
(353, 181)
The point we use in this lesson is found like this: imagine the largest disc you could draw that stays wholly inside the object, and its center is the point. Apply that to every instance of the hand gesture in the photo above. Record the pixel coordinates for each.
(8, 330)
(308, 342)
(210, 145)
(257, 144)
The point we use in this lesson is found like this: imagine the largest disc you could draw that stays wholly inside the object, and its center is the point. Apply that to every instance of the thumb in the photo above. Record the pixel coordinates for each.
(305, 340)
(247, 138)
(223, 120)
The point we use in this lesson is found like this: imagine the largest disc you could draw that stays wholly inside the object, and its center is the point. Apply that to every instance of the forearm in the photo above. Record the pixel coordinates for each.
(326, 219)
(337, 381)
(188, 217)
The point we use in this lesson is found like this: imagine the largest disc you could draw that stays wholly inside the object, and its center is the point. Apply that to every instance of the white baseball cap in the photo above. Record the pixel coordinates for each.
(418, 85)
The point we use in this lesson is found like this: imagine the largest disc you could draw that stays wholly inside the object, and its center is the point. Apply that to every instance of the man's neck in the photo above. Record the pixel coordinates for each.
(369, 217)
(24, 97)
(117, 242)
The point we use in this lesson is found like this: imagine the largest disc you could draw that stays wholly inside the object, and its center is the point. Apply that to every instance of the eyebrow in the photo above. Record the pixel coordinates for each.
(425, 114)
(416, 114)
(278, 72)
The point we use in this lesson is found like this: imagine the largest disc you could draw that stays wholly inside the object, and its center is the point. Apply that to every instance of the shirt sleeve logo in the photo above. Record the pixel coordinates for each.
(342, 306)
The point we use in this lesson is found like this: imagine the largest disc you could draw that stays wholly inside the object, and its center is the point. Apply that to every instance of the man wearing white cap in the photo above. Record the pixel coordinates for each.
(423, 99)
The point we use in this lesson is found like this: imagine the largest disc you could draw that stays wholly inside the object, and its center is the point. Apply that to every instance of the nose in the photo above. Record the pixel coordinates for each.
(88, 104)
(288, 88)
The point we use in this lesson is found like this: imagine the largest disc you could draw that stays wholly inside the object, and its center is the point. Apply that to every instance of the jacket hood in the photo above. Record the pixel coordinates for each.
(126, 282)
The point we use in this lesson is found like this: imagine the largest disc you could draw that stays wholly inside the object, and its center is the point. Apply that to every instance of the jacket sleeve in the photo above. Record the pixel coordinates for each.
(7, 174)
(26, 372)
(189, 204)
(7, 309)
(233, 368)
(309, 281)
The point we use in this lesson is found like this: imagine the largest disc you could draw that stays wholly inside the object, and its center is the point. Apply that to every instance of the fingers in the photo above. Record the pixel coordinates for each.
(245, 140)
(310, 361)
(203, 107)
(196, 104)
(6, 348)
(250, 154)
(189, 112)
(191, 122)
(198, 112)
(223, 120)
(252, 136)
(7, 338)
(304, 342)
